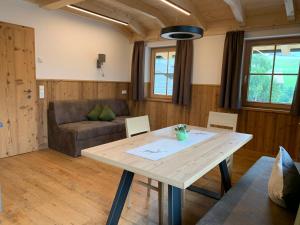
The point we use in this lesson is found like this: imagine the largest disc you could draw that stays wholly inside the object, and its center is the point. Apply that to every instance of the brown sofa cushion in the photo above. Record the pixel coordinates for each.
(248, 202)
(120, 119)
(91, 129)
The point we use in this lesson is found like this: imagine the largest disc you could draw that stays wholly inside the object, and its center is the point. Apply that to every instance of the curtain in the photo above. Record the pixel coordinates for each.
(231, 81)
(295, 109)
(137, 71)
(183, 72)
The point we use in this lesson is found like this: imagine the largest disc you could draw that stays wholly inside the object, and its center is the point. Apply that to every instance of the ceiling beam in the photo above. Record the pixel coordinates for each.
(237, 10)
(290, 9)
(111, 12)
(57, 4)
(146, 10)
(192, 8)
(122, 29)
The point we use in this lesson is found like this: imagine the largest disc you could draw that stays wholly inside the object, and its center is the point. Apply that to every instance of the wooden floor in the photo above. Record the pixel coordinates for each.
(46, 187)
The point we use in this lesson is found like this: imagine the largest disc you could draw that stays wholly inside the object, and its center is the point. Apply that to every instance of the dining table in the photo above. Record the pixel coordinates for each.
(177, 164)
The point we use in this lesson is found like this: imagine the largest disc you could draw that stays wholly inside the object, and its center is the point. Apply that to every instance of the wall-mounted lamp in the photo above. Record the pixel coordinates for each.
(100, 60)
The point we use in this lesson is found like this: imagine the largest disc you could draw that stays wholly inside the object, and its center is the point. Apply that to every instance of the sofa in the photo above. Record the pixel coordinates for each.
(248, 203)
(69, 131)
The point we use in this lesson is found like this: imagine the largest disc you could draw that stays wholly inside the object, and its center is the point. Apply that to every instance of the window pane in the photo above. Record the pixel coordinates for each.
(170, 84)
(262, 59)
(161, 62)
(259, 88)
(287, 59)
(283, 89)
(171, 62)
(160, 84)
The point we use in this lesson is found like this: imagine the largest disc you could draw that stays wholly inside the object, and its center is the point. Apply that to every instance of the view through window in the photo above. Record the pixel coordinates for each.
(272, 72)
(162, 72)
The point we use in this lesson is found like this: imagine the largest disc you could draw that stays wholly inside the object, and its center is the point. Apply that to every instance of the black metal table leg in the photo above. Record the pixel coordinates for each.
(120, 198)
(205, 192)
(226, 181)
(174, 205)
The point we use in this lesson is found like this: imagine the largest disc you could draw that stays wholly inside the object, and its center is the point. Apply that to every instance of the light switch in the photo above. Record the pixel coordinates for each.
(41, 91)
(124, 92)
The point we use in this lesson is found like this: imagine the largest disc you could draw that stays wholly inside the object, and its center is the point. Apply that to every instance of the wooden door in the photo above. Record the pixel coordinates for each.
(18, 103)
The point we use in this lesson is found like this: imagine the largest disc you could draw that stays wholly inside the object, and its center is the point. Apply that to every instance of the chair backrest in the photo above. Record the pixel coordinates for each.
(137, 125)
(222, 120)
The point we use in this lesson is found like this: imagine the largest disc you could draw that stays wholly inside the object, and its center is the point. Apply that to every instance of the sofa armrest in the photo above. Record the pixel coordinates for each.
(60, 139)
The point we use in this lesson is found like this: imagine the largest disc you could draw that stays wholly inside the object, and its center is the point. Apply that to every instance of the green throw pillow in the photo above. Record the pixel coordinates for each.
(107, 114)
(95, 113)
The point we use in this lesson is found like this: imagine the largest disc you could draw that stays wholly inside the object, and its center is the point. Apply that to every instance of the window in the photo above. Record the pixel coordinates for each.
(271, 70)
(162, 72)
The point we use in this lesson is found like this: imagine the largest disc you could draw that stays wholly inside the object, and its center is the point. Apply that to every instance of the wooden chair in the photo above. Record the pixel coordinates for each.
(136, 126)
(223, 121)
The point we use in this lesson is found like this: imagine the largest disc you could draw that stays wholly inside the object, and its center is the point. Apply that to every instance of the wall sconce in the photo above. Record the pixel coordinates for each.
(100, 60)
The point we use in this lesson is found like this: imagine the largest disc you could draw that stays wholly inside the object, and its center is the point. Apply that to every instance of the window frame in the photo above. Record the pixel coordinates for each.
(246, 71)
(152, 72)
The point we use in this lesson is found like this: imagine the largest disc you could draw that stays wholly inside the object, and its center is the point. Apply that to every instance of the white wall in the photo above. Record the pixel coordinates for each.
(208, 53)
(68, 45)
(208, 57)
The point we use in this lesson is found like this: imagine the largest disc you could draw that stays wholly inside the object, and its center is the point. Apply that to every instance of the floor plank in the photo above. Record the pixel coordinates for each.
(46, 188)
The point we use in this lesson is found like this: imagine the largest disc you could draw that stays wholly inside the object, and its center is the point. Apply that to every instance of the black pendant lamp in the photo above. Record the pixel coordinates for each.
(182, 33)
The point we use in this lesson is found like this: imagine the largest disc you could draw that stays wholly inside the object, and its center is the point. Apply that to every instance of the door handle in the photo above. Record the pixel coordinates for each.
(28, 91)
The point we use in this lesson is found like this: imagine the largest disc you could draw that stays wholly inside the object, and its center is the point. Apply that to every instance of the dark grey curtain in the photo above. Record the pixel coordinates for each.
(183, 73)
(231, 82)
(137, 71)
(295, 109)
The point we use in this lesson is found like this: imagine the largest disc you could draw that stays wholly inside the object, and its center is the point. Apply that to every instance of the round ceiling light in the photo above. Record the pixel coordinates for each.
(182, 32)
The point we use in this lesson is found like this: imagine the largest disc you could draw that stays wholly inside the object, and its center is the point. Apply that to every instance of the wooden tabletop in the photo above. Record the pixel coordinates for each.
(180, 169)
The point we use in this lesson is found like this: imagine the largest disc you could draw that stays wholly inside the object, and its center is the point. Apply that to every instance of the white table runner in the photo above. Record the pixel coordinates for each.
(168, 146)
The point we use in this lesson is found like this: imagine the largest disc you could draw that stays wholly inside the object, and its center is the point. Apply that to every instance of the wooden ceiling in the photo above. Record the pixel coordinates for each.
(147, 17)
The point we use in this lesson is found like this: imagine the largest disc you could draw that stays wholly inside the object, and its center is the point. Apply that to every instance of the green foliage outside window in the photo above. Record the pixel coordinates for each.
(270, 83)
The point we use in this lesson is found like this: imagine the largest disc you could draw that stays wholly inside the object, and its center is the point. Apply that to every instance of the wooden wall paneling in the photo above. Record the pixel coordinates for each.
(89, 90)
(42, 114)
(270, 129)
(194, 118)
(120, 87)
(66, 90)
(73, 90)
(204, 99)
(291, 140)
(176, 114)
(282, 130)
(260, 130)
(105, 90)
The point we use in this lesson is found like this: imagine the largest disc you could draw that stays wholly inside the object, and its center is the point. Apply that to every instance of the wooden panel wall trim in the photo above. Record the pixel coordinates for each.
(73, 90)
(270, 129)
(71, 80)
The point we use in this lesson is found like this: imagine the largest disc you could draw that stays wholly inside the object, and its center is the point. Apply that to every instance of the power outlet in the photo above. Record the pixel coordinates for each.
(1, 125)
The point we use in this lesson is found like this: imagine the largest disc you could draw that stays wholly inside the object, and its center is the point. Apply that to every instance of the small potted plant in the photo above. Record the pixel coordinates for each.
(181, 132)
